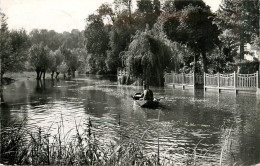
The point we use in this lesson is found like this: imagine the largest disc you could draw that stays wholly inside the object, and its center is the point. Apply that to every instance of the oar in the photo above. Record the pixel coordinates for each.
(158, 99)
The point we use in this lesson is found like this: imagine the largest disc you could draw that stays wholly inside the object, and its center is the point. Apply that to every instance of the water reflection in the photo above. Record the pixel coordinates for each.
(188, 119)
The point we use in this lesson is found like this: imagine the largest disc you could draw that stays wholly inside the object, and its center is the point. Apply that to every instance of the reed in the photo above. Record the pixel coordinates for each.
(25, 147)
(38, 147)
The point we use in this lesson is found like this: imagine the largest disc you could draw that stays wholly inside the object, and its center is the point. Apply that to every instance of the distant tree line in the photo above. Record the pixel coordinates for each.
(41, 51)
(156, 37)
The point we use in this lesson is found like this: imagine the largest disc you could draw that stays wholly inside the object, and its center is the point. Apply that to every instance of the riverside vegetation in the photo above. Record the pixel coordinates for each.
(38, 147)
(20, 146)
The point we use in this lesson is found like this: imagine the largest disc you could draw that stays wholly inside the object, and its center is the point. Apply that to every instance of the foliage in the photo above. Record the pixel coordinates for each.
(13, 48)
(5, 45)
(56, 59)
(96, 36)
(97, 39)
(119, 40)
(249, 67)
(238, 21)
(82, 60)
(73, 40)
(220, 60)
(193, 27)
(147, 13)
(40, 58)
(180, 5)
(54, 40)
(50, 38)
(105, 10)
(63, 68)
(147, 58)
(71, 59)
(122, 5)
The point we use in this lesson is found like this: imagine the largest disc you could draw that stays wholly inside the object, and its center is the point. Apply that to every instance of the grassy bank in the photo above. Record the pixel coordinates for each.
(17, 76)
(21, 75)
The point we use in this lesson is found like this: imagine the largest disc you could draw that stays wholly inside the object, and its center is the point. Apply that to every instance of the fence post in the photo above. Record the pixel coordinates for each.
(235, 81)
(218, 79)
(173, 79)
(183, 78)
(183, 82)
(194, 79)
(204, 81)
(257, 81)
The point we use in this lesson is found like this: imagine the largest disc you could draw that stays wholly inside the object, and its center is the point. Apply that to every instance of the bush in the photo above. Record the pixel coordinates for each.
(249, 67)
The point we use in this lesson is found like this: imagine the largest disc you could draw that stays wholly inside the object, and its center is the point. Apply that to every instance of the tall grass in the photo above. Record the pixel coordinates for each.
(22, 146)
(25, 147)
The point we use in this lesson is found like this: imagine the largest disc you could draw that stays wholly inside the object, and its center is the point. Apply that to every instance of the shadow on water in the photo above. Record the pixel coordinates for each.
(5, 113)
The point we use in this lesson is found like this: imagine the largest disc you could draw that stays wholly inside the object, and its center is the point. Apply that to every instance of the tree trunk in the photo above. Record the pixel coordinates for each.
(52, 74)
(129, 8)
(195, 63)
(57, 74)
(258, 75)
(1, 74)
(38, 74)
(1, 79)
(242, 49)
(43, 76)
(205, 65)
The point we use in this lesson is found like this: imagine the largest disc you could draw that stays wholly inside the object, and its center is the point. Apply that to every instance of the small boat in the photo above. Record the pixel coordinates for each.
(145, 103)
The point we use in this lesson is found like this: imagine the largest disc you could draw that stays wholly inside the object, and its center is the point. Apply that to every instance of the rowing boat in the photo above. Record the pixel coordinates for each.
(145, 103)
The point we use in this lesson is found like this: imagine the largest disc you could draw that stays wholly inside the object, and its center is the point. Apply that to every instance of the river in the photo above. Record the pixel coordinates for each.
(188, 123)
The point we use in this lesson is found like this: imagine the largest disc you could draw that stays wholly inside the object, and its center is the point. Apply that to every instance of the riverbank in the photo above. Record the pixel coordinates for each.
(21, 76)
(17, 76)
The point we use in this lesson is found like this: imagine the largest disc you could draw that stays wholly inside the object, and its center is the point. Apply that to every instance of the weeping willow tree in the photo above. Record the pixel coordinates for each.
(148, 58)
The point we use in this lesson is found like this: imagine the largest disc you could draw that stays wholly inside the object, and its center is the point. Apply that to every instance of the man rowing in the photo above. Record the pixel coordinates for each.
(147, 94)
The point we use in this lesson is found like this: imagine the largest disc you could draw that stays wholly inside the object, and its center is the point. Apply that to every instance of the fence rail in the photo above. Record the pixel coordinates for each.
(247, 82)
(183, 79)
(218, 81)
(121, 72)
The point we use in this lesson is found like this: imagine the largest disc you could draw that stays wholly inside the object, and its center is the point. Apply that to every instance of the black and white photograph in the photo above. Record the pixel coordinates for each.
(130, 82)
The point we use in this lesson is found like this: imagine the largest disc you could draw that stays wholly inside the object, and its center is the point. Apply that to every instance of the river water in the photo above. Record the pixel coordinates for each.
(190, 124)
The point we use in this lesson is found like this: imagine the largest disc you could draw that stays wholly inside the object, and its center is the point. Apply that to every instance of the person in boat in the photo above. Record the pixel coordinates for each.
(147, 94)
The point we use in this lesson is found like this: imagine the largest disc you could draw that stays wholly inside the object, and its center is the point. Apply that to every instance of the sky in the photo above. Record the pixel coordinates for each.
(58, 15)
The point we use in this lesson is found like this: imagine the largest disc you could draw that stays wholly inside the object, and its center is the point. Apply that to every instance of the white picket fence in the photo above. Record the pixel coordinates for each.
(246, 82)
(183, 79)
(121, 72)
